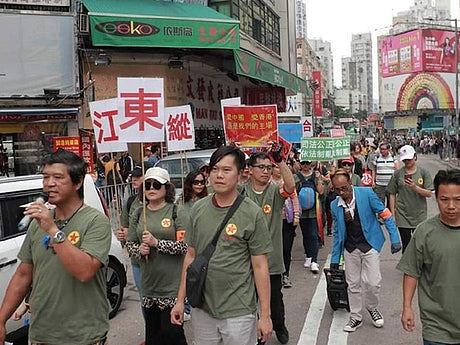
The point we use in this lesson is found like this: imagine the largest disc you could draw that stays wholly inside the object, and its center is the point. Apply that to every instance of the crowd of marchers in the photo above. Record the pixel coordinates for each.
(236, 218)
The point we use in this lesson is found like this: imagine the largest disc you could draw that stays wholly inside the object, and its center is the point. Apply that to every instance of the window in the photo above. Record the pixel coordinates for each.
(257, 20)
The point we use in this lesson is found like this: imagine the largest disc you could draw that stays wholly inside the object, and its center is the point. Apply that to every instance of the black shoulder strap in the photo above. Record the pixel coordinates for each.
(209, 250)
(130, 201)
(174, 213)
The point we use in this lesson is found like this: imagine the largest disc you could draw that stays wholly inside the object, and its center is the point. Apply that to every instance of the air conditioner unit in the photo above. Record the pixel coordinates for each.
(83, 23)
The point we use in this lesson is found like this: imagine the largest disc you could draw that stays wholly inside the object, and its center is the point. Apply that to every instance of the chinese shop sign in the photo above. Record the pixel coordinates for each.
(180, 132)
(106, 123)
(141, 110)
(251, 126)
(71, 144)
(324, 149)
(87, 150)
(317, 97)
(307, 126)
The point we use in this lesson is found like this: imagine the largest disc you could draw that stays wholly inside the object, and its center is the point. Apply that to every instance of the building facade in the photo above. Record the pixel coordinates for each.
(324, 51)
(301, 18)
(351, 100)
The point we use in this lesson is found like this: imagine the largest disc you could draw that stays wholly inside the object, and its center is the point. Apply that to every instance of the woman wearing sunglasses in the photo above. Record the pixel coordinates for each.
(347, 165)
(194, 189)
(156, 239)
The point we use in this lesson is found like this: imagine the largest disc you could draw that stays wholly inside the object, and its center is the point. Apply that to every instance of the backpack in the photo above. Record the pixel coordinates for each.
(306, 192)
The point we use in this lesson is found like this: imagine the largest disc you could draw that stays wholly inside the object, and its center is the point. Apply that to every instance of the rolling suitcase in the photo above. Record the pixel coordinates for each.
(337, 289)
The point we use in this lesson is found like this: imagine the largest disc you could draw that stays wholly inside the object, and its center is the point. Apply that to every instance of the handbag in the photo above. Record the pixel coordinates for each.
(198, 269)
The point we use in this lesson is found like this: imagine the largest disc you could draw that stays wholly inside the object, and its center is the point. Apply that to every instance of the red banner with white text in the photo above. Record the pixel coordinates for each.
(317, 96)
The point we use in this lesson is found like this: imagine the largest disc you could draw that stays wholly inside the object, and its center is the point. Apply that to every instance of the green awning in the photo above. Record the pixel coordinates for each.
(151, 23)
(252, 66)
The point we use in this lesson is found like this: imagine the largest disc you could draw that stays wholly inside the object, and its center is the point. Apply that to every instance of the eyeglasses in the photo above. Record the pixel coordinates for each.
(347, 164)
(153, 184)
(199, 182)
(305, 163)
(264, 167)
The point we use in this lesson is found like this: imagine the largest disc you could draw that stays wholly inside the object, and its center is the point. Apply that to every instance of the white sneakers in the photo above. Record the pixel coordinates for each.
(377, 318)
(307, 262)
(352, 325)
(314, 267)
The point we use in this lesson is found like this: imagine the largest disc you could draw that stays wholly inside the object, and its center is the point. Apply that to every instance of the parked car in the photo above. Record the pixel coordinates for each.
(16, 191)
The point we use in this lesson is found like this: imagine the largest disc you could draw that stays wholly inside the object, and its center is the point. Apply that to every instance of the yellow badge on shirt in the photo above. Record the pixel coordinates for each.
(166, 223)
(74, 237)
(231, 229)
(267, 208)
(420, 181)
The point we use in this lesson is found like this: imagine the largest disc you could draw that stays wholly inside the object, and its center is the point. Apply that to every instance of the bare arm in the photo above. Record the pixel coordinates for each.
(392, 204)
(16, 292)
(288, 178)
(408, 318)
(422, 191)
(262, 280)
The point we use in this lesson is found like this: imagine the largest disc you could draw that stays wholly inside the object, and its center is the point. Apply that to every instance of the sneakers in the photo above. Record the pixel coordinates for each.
(377, 318)
(352, 325)
(187, 317)
(307, 262)
(286, 282)
(282, 335)
(314, 268)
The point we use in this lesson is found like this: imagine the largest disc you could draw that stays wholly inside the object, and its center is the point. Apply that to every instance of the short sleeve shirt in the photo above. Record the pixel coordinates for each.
(229, 288)
(411, 207)
(57, 297)
(432, 257)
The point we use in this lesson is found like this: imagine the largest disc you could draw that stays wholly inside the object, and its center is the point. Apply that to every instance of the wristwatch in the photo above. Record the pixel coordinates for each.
(59, 237)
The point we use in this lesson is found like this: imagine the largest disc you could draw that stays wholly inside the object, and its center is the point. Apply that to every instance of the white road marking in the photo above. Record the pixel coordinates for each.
(315, 312)
(336, 334)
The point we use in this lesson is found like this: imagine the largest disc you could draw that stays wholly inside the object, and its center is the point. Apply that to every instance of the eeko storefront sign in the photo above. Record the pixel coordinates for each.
(127, 28)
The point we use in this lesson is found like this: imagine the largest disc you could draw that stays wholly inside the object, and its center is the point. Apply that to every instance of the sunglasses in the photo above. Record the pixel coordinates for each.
(199, 182)
(264, 167)
(149, 184)
(305, 163)
(347, 164)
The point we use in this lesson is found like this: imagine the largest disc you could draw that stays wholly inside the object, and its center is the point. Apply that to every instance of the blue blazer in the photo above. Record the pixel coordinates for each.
(369, 206)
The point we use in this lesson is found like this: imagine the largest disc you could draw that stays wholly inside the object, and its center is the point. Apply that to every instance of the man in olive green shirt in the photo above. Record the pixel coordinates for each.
(409, 188)
(270, 197)
(62, 258)
(238, 267)
(431, 262)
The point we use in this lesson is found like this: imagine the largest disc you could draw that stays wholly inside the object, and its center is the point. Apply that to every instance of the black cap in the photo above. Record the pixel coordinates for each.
(136, 172)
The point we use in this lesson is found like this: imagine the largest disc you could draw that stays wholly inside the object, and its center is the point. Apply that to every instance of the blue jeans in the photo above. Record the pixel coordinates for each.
(310, 238)
(137, 281)
(428, 342)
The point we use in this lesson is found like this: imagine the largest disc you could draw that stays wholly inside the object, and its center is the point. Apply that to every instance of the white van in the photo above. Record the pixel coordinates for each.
(16, 191)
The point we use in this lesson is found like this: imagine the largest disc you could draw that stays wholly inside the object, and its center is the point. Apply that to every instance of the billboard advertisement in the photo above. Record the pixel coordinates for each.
(418, 91)
(438, 51)
(401, 54)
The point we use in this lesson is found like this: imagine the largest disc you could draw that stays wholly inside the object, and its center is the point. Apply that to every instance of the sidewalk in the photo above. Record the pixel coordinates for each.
(454, 163)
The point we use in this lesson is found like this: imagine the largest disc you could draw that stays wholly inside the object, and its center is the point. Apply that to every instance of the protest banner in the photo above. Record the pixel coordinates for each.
(307, 126)
(337, 132)
(286, 147)
(324, 149)
(180, 130)
(105, 119)
(87, 150)
(141, 108)
(228, 102)
(71, 144)
(251, 126)
(291, 132)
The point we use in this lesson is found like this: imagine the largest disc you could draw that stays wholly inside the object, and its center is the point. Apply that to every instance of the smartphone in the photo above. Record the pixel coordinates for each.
(406, 176)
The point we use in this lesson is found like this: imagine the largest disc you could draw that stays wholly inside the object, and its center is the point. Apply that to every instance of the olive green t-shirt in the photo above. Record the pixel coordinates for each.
(433, 256)
(271, 203)
(160, 273)
(125, 216)
(63, 309)
(229, 288)
(411, 207)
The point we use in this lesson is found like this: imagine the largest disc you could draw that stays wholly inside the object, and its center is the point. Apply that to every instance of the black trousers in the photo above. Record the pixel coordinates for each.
(159, 330)
(276, 302)
(288, 241)
(406, 235)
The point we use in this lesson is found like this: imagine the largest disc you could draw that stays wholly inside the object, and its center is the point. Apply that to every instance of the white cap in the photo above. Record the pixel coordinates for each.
(406, 152)
(156, 173)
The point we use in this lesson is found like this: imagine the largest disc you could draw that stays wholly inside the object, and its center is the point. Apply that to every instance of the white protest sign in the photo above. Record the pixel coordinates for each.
(106, 124)
(180, 130)
(307, 126)
(141, 107)
(228, 102)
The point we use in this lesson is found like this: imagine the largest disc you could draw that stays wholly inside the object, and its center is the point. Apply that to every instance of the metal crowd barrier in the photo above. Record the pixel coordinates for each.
(115, 197)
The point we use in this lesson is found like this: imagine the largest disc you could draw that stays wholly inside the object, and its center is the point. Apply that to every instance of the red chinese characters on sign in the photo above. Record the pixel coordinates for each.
(71, 144)
(179, 127)
(97, 122)
(142, 107)
(317, 97)
(251, 126)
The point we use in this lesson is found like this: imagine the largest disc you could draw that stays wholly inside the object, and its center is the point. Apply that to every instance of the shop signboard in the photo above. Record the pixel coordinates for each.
(71, 144)
(106, 122)
(60, 3)
(307, 126)
(180, 130)
(337, 132)
(324, 149)
(438, 51)
(251, 126)
(141, 110)
(317, 95)
(87, 150)
(291, 132)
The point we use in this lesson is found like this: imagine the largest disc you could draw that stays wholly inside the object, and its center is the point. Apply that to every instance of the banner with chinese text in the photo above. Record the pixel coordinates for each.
(317, 96)
(87, 151)
(180, 130)
(307, 126)
(324, 149)
(141, 110)
(71, 144)
(106, 123)
(291, 132)
(251, 126)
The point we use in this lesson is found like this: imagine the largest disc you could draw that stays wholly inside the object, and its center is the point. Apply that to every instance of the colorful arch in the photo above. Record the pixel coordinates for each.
(419, 88)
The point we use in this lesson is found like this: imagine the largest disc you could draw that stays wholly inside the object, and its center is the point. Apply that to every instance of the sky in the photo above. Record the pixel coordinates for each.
(336, 20)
